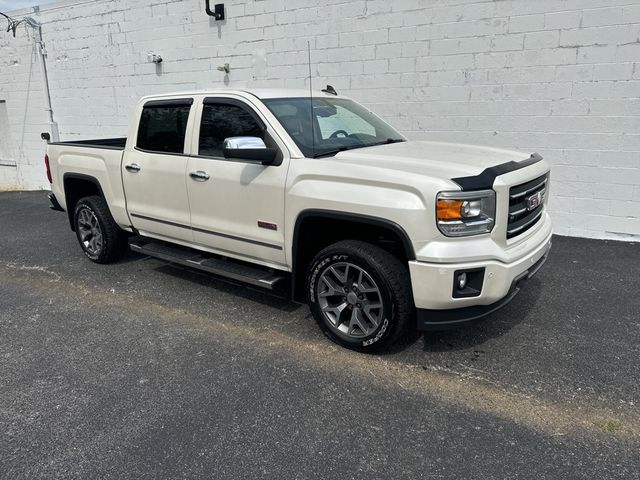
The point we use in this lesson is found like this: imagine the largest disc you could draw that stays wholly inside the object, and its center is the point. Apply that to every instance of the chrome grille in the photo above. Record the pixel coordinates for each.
(523, 211)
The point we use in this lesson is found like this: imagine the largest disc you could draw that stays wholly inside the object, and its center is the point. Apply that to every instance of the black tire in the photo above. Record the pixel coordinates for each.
(390, 276)
(113, 242)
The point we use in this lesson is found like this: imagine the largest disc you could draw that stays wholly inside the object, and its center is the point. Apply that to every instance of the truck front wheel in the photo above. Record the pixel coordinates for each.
(360, 295)
(100, 238)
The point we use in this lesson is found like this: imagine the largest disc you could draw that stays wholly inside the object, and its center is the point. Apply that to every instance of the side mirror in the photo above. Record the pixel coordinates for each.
(46, 136)
(249, 148)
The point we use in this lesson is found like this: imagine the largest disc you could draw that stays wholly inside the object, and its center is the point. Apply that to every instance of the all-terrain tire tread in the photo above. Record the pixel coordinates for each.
(394, 273)
(115, 239)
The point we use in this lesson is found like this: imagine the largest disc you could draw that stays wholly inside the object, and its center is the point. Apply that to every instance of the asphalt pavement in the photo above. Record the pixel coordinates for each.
(142, 369)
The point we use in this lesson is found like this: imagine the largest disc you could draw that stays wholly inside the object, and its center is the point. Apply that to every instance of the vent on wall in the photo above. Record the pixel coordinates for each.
(6, 144)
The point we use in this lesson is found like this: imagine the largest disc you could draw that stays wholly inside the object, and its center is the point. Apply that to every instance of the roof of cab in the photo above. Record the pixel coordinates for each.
(287, 93)
(262, 93)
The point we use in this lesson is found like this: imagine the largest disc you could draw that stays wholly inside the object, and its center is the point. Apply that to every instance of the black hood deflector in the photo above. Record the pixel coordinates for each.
(484, 180)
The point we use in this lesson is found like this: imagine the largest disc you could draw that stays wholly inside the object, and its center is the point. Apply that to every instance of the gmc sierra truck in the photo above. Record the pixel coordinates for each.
(314, 195)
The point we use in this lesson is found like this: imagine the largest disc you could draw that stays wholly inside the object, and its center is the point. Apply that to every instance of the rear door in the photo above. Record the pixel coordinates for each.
(154, 170)
(237, 206)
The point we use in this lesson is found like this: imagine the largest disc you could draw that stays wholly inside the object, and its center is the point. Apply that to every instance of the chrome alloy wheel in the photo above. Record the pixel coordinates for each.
(350, 300)
(90, 231)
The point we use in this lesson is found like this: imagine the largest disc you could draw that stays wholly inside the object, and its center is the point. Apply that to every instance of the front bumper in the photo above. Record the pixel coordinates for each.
(432, 286)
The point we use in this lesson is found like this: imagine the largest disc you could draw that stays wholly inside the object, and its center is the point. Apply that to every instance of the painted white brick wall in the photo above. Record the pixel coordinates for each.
(560, 77)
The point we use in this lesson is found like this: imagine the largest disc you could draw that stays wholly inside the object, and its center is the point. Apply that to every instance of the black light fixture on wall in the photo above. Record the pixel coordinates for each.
(217, 12)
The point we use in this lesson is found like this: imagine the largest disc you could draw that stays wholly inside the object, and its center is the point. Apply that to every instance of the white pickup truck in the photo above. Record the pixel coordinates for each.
(316, 196)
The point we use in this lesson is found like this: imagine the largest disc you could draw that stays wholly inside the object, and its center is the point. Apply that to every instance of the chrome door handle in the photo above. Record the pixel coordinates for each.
(199, 176)
(134, 167)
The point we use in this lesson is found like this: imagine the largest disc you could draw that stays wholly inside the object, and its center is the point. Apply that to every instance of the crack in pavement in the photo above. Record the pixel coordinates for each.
(37, 268)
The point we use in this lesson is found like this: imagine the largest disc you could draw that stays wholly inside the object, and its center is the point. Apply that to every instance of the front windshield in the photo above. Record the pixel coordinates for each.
(338, 124)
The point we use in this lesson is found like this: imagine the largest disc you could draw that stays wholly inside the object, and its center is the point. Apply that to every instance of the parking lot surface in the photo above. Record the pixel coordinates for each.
(145, 370)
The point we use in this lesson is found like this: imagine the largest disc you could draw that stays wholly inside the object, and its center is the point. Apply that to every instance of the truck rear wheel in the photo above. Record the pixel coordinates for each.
(360, 295)
(100, 238)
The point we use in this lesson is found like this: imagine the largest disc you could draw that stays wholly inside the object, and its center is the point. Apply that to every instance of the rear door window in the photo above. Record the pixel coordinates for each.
(163, 126)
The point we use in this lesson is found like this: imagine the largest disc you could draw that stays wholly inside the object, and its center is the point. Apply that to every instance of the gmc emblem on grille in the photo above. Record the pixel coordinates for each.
(534, 201)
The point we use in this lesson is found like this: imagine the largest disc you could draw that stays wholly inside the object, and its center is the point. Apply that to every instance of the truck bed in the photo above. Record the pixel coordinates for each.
(99, 160)
(108, 143)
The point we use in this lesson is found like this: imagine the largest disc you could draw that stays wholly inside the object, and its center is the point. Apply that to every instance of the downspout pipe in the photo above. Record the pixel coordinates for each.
(42, 55)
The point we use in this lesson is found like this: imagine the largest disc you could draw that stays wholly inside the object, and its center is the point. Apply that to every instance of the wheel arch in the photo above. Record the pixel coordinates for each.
(77, 186)
(310, 235)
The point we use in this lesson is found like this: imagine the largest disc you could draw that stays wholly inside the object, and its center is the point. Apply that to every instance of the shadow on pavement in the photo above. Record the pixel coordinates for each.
(486, 328)
(247, 292)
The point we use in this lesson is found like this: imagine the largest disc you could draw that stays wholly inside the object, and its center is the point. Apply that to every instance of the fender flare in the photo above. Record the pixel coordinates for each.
(344, 216)
(78, 176)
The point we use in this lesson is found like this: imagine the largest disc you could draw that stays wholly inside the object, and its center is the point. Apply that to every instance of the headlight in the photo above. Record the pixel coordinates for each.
(459, 214)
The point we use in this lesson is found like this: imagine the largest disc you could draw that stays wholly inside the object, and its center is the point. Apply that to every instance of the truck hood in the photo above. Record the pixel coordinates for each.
(435, 159)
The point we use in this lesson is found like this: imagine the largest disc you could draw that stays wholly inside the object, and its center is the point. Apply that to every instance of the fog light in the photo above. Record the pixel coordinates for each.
(468, 282)
(462, 281)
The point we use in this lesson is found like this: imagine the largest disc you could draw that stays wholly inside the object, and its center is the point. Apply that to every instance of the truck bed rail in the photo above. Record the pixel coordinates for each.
(109, 143)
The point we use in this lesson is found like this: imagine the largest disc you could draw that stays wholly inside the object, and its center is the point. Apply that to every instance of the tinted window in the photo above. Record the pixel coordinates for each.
(220, 121)
(162, 129)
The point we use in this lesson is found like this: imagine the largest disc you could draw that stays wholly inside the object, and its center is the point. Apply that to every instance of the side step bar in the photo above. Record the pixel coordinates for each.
(235, 270)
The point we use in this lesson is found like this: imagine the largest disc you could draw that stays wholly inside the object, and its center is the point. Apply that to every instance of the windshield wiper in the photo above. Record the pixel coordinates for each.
(332, 152)
(386, 142)
(344, 147)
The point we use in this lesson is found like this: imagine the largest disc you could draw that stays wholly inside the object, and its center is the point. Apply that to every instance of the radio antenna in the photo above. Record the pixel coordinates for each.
(313, 136)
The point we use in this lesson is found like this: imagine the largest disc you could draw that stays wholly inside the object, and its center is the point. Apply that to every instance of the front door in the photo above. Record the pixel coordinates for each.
(237, 207)
(154, 171)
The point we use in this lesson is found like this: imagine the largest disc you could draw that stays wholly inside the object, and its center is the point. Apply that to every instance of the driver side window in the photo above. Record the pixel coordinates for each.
(344, 120)
(220, 121)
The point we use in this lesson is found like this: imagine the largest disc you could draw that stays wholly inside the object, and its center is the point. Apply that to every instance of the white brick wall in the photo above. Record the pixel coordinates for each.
(561, 77)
